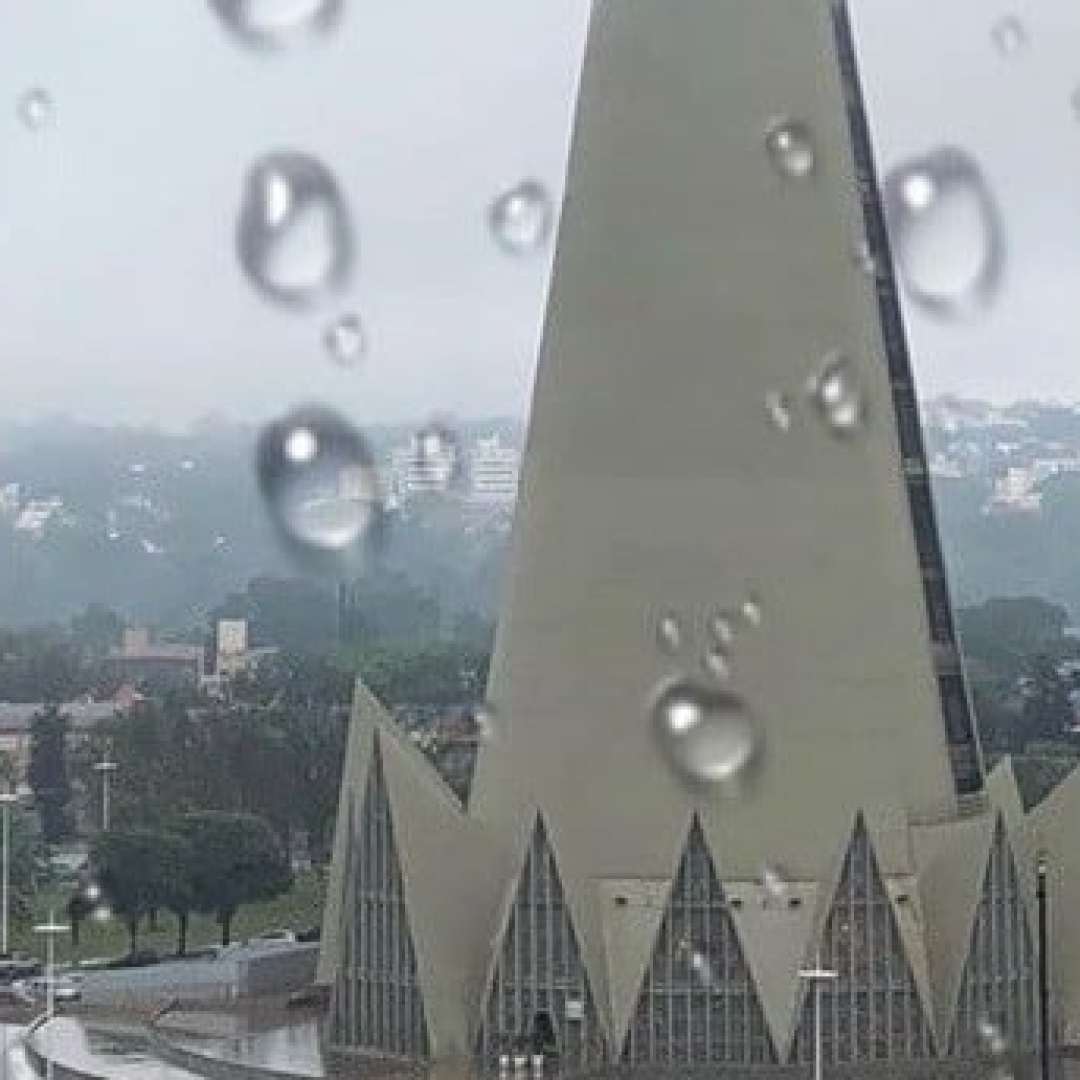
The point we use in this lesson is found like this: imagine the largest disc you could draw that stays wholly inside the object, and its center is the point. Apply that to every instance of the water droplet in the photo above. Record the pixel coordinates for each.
(702, 968)
(751, 611)
(102, 913)
(715, 663)
(774, 880)
(838, 396)
(992, 1037)
(946, 232)
(669, 634)
(865, 259)
(273, 23)
(438, 459)
(720, 630)
(1009, 35)
(318, 477)
(36, 109)
(345, 340)
(778, 407)
(487, 721)
(790, 146)
(521, 218)
(705, 733)
(294, 238)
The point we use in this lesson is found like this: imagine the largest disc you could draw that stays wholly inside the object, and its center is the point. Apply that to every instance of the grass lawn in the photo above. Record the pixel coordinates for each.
(299, 909)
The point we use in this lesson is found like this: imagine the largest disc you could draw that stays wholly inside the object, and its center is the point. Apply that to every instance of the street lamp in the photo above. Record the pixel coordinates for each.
(50, 930)
(106, 767)
(817, 976)
(7, 800)
(1044, 980)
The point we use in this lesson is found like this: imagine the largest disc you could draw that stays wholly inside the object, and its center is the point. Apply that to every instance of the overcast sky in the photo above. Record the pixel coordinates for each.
(121, 297)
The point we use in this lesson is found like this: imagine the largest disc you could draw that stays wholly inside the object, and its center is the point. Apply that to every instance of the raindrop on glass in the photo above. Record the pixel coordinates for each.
(838, 396)
(294, 237)
(487, 722)
(705, 733)
(992, 1038)
(721, 631)
(790, 147)
(102, 913)
(345, 340)
(1009, 35)
(774, 880)
(865, 259)
(751, 611)
(521, 218)
(318, 478)
(778, 407)
(273, 23)
(36, 109)
(702, 968)
(946, 232)
(715, 662)
(669, 634)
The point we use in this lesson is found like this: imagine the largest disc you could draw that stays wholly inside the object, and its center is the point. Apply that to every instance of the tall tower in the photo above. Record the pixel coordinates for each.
(724, 449)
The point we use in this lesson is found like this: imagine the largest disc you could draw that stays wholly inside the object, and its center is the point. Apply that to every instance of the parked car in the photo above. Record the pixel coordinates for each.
(64, 988)
(276, 935)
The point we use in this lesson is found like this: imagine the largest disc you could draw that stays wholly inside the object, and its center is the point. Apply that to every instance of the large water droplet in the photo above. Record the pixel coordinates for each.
(946, 232)
(272, 23)
(751, 611)
(837, 393)
(345, 340)
(1009, 35)
(522, 217)
(294, 237)
(992, 1038)
(318, 477)
(36, 109)
(705, 733)
(790, 147)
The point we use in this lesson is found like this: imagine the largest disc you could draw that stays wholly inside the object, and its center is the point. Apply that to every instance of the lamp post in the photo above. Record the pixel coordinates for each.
(7, 800)
(106, 767)
(50, 930)
(817, 976)
(1044, 980)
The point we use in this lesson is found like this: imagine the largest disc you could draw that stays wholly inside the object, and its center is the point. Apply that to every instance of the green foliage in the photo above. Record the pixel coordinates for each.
(235, 859)
(48, 773)
(140, 871)
(1006, 632)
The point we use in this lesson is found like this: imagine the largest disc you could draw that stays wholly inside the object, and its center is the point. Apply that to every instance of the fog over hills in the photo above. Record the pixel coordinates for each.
(161, 527)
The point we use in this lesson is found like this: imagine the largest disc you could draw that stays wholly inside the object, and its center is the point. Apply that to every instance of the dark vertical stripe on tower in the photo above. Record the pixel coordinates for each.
(956, 709)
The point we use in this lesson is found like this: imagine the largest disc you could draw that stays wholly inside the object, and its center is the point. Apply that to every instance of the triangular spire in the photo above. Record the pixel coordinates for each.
(871, 1008)
(998, 990)
(699, 960)
(539, 999)
(378, 1003)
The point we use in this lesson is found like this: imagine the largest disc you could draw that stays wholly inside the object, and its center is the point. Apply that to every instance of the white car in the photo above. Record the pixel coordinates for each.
(276, 935)
(64, 988)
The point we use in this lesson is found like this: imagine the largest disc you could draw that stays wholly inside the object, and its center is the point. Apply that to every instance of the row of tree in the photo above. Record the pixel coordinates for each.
(202, 863)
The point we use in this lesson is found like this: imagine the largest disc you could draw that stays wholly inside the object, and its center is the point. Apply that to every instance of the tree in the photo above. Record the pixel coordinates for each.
(1047, 710)
(140, 870)
(235, 859)
(48, 773)
(97, 628)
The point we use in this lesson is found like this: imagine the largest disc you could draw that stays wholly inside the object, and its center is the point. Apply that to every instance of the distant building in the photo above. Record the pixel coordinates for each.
(1015, 493)
(16, 720)
(142, 663)
(494, 470)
